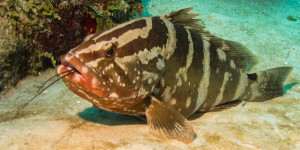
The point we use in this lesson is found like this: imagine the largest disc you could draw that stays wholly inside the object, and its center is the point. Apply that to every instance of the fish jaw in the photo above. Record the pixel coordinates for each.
(83, 76)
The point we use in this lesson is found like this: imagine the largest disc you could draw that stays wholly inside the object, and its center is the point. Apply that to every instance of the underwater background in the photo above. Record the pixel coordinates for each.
(59, 119)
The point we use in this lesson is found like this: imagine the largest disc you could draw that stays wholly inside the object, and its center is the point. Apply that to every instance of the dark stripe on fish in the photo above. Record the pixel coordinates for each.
(231, 75)
(196, 73)
(252, 76)
(118, 32)
(215, 80)
(106, 37)
(150, 42)
(232, 84)
(177, 61)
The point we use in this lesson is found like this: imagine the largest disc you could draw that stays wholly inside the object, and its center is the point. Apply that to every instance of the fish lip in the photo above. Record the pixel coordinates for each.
(70, 62)
(67, 62)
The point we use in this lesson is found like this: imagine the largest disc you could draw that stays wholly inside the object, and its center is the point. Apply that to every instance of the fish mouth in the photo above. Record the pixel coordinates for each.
(81, 75)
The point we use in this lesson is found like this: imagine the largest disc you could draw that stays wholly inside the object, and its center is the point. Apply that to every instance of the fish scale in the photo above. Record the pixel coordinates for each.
(166, 68)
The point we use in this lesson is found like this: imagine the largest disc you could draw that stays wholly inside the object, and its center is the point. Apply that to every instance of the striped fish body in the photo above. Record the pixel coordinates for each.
(199, 75)
(166, 68)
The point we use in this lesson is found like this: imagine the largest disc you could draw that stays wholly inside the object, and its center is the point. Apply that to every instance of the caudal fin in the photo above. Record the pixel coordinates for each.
(269, 83)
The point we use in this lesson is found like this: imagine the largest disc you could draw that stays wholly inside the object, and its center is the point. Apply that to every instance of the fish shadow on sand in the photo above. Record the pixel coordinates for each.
(195, 116)
(100, 116)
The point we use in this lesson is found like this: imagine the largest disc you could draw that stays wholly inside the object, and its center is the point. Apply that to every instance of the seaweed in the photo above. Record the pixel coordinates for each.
(36, 33)
(291, 18)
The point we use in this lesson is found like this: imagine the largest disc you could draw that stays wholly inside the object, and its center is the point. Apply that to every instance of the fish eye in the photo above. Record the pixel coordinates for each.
(109, 53)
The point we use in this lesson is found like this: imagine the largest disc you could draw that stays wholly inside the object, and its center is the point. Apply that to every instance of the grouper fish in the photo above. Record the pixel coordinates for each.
(166, 68)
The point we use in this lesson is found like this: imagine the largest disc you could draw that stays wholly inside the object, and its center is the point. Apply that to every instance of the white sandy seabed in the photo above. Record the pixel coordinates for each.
(58, 119)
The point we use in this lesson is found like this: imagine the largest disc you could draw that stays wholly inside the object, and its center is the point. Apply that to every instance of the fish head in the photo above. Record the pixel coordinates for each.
(111, 67)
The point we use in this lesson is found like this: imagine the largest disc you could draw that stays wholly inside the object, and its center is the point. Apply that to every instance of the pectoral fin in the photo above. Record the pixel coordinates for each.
(166, 122)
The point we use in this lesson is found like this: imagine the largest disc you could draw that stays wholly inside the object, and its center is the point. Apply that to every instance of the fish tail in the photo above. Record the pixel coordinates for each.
(267, 84)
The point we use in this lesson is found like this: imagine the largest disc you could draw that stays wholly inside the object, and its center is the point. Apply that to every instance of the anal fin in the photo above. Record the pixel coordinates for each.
(166, 122)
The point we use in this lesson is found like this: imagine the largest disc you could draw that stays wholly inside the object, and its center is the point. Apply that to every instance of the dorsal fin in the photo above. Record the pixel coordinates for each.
(236, 51)
(241, 55)
(187, 20)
